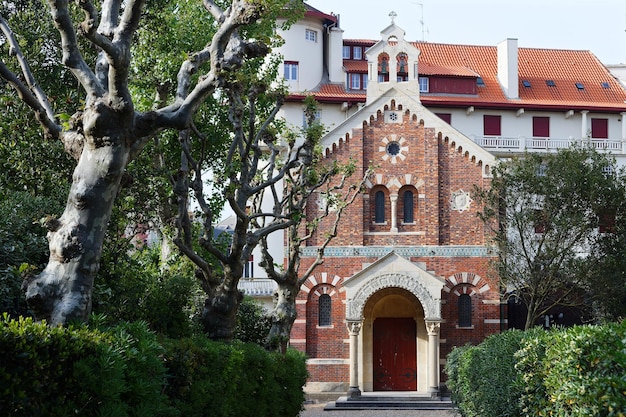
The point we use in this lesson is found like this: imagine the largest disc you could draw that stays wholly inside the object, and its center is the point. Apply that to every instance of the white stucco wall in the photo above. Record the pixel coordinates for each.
(308, 54)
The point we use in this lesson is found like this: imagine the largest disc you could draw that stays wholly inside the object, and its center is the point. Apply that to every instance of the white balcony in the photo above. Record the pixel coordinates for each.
(507, 145)
(257, 287)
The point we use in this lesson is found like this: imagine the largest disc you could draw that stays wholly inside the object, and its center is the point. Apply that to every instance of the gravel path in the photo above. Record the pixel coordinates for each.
(317, 410)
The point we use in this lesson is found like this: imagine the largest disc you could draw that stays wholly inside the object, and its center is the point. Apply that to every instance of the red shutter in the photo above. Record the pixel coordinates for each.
(446, 117)
(541, 127)
(600, 128)
(491, 125)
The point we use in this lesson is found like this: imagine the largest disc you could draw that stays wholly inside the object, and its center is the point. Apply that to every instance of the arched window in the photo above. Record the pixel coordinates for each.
(408, 207)
(325, 307)
(465, 311)
(379, 210)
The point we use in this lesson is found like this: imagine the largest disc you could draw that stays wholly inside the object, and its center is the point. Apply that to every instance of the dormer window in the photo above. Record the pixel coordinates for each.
(480, 82)
(346, 52)
(357, 52)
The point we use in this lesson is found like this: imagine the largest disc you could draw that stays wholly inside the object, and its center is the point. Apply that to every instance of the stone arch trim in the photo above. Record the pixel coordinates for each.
(477, 284)
(430, 303)
(392, 181)
(318, 279)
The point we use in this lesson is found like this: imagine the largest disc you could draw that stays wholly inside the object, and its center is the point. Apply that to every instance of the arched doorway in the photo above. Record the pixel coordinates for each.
(393, 287)
(395, 342)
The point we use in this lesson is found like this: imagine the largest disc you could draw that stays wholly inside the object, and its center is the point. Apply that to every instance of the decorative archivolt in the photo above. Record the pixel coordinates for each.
(430, 302)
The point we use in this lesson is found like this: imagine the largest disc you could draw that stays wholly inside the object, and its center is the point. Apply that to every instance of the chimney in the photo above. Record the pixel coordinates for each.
(507, 68)
(335, 54)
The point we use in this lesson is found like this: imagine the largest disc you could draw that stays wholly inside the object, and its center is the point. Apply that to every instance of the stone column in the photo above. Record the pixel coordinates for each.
(394, 213)
(354, 328)
(432, 327)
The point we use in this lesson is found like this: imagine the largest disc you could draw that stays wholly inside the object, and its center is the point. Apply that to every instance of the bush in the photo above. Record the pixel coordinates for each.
(582, 372)
(483, 379)
(577, 372)
(253, 322)
(126, 370)
(23, 244)
(54, 371)
(239, 379)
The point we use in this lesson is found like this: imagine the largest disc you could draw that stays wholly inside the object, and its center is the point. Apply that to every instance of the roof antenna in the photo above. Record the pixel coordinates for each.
(421, 5)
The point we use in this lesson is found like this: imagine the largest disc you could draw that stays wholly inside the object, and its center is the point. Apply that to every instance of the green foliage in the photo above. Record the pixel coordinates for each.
(574, 372)
(23, 244)
(126, 371)
(491, 367)
(76, 371)
(545, 211)
(235, 380)
(253, 322)
(134, 286)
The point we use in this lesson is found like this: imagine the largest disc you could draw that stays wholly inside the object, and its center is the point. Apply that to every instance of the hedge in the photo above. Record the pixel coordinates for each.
(578, 371)
(127, 370)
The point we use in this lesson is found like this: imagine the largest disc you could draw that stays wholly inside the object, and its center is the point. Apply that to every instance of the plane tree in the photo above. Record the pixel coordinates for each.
(553, 219)
(105, 130)
(312, 200)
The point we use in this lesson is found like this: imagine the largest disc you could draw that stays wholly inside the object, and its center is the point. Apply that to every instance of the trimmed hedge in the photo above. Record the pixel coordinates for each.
(482, 378)
(127, 371)
(578, 371)
(240, 379)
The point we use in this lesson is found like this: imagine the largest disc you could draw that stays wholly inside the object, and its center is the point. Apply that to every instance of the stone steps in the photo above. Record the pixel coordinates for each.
(371, 402)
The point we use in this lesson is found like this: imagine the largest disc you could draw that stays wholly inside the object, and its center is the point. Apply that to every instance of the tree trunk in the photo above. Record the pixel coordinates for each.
(62, 291)
(283, 316)
(219, 316)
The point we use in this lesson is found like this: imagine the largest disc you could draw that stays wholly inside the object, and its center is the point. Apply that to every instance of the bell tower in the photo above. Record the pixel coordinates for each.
(392, 64)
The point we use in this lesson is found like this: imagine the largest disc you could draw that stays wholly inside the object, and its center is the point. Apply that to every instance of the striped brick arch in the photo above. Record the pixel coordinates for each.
(474, 284)
(316, 282)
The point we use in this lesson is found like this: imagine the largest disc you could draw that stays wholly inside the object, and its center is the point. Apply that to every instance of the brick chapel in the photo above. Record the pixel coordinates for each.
(408, 276)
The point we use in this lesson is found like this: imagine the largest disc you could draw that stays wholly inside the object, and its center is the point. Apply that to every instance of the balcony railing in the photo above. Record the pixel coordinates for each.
(521, 144)
(257, 287)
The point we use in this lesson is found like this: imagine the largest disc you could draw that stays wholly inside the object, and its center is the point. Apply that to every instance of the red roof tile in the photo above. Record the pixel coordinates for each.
(355, 66)
(331, 93)
(565, 67)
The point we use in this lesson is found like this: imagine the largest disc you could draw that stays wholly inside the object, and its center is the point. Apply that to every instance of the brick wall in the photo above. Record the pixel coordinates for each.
(433, 168)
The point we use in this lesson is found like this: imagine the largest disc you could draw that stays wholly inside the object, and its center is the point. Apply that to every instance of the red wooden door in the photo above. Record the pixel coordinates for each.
(395, 357)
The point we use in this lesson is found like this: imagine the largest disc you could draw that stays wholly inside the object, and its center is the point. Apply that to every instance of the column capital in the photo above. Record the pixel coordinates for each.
(354, 327)
(433, 327)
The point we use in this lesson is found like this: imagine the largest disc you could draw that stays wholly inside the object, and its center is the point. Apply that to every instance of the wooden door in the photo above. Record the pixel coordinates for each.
(395, 354)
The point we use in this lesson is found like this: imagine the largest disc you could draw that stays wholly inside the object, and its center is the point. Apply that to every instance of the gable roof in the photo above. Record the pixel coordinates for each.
(565, 68)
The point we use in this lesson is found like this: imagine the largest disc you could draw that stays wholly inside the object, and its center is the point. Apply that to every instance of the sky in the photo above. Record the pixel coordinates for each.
(595, 25)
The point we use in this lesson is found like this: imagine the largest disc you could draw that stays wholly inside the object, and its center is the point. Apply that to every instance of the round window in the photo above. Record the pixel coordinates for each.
(393, 148)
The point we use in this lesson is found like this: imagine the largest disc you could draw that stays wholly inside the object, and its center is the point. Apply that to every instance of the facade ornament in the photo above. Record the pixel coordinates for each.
(433, 327)
(460, 201)
(354, 327)
(430, 302)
